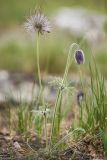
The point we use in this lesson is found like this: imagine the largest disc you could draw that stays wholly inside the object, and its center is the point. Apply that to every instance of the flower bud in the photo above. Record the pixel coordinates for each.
(79, 57)
(80, 97)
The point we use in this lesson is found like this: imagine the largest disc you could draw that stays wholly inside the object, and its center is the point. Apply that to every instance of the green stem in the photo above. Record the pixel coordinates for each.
(54, 116)
(38, 63)
(69, 60)
(59, 95)
(45, 122)
(81, 114)
(81, 83)
(81, 77)
(38, 69)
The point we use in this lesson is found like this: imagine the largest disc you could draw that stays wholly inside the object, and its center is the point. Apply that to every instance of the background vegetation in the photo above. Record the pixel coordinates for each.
(16, 47)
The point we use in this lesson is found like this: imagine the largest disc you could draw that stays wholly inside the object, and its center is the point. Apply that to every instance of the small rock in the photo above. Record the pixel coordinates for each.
(17, 146)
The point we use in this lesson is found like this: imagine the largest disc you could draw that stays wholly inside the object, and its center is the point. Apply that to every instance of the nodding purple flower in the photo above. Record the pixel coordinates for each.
(80, 97)
(79, 57)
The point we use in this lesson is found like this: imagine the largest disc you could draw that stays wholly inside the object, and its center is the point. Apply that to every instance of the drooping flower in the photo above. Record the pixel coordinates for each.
(80, 97)
(38, 23)
(79, 57)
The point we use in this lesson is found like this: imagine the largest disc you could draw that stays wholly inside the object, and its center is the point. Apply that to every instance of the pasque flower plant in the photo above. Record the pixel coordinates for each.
(38, 24)
(92, 107)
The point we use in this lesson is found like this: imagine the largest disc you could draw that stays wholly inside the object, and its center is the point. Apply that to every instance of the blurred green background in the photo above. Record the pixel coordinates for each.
(17, 49)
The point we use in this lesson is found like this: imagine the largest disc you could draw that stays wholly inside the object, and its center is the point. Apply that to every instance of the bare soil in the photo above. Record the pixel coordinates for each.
(29, 147)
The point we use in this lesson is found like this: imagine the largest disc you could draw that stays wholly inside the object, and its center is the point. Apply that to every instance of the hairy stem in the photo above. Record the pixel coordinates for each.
(54, 116)
(38, 63)
(57, 109)
(69, 60)
(45, 123)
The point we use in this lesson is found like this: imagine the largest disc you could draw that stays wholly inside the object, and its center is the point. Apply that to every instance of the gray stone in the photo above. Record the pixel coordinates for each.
(81, 22)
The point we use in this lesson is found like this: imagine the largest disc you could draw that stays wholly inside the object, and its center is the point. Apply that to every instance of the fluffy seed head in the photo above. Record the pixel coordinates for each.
(79, 57)
(38, 23)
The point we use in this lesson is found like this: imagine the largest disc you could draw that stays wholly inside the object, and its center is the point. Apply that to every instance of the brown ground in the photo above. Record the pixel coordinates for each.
(29, 147)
